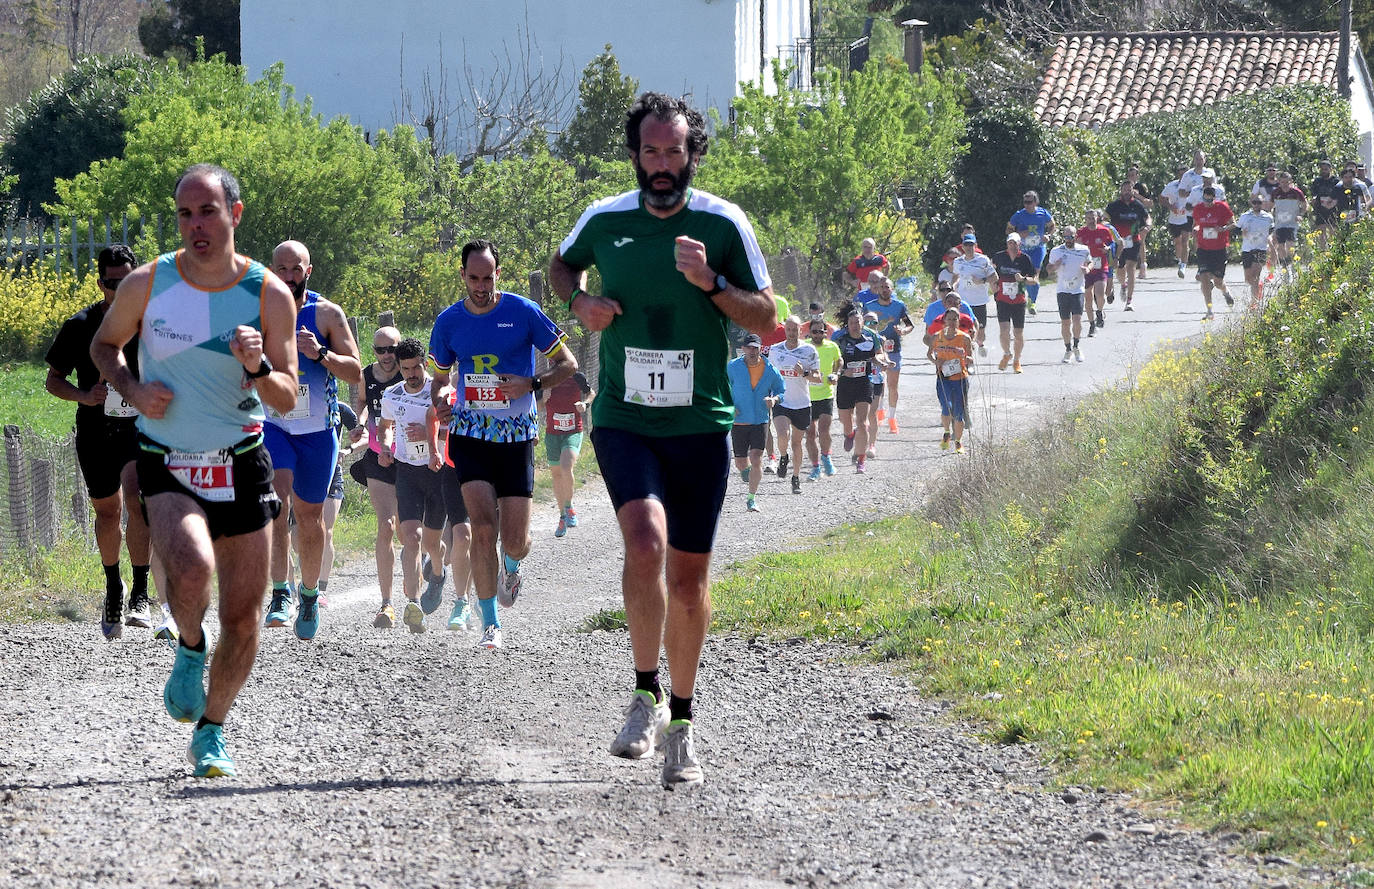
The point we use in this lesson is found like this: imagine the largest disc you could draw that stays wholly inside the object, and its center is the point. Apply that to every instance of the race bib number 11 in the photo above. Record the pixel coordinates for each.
(659, 377)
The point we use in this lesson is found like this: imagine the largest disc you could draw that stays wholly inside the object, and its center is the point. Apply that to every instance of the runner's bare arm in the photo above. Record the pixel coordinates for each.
(342, 359)
(107, 349)
(384, 457)
(276, 340)
(63, 388)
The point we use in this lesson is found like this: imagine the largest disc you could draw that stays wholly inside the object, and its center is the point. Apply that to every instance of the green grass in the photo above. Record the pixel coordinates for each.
(24, 401)
(1173, 597)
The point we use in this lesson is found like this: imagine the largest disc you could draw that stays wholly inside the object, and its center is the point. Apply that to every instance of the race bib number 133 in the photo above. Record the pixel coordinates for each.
(659, 377)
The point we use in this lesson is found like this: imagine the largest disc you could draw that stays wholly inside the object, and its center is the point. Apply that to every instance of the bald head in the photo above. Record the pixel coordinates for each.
(386, 336)
(291, 262)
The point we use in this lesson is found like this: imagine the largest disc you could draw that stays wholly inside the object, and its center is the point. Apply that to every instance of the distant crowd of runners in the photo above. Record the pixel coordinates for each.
(209, 410)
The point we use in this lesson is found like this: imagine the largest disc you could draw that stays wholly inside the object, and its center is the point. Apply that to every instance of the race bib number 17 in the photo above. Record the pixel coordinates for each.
(659, 377)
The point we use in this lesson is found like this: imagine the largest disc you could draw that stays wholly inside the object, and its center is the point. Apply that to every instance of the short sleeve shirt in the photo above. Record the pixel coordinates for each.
(889, 316)
(1128, 217)
(1098, 240)
(1031, 225)
(797, 391)
(862, 266)
(561, 416)
(856, 353)
(1213, 225)
(1288, 203)
(663, 359)
(1008, 289)
(971, 289)
(1254, 230)
(71, 351)
(1069, 275)
(473, 349)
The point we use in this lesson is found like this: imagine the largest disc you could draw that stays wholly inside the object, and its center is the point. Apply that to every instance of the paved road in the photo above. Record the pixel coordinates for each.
(380, 758)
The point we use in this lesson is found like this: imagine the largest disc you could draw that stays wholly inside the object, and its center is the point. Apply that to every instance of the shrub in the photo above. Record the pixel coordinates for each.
(33, 304)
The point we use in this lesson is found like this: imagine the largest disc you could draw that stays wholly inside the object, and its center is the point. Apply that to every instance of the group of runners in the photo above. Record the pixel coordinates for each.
(210, 412)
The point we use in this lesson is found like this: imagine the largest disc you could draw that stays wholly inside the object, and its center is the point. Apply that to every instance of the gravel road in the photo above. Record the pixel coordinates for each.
(379, 758)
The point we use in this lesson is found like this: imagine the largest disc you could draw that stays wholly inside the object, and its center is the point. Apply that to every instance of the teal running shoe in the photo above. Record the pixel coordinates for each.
(814, 474)
(279, 610)
(570, 517)
(308, 617)
(207, 753)
(827, 465)
(562, 526)
(461, 615)
(184, 693)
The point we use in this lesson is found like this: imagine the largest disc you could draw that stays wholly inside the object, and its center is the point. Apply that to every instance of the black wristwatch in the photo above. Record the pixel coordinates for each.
(535, 383)
(721, 284)
(324, 350)
(264, 368)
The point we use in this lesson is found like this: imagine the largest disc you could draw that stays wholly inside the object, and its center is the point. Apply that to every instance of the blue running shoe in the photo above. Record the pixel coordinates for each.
(308, 617)
(562, 526)
(433, 596)
(570, 516)
(184, 693)
(207, 753)
(814, 474)
(828, 466)
(279, 610)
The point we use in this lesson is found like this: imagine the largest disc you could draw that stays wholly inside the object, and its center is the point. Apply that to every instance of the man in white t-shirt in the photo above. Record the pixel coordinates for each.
(800, 366)
(972, 272)
(409, 421)
(1174, 199)
(1192, 177)
(1255, 226)
(1070, 263)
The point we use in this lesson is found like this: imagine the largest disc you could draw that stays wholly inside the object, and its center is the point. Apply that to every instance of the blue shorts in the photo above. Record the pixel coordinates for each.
(952, 395)
(310, 458)
(686, 473)
(896, 358)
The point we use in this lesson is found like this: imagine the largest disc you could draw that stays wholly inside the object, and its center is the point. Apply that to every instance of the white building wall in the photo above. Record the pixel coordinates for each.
(347, 54)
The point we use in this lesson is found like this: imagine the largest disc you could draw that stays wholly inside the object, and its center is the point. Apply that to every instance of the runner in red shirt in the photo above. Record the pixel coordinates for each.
(1213, 220)
(1098, 238)
(566, 405)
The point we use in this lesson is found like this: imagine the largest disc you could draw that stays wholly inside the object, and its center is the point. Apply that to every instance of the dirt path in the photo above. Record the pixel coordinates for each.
(376, 758)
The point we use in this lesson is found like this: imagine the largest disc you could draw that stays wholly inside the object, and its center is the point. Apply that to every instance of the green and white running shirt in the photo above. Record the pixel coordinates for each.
(663, 360)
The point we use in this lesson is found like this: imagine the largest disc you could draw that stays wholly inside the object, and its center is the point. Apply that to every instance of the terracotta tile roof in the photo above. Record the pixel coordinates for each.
(1097, 78)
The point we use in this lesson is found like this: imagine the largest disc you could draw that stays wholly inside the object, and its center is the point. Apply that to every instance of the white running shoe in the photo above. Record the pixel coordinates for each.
(507, 585)
(491, 637)
(1077, 354)
(680, 765)
(645, 723)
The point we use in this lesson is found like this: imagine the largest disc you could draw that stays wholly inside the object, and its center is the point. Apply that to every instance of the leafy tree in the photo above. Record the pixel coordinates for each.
(597, 129)
(994, 68)
(68, 125)
(807, 167)
(319, 183)
(170, 28)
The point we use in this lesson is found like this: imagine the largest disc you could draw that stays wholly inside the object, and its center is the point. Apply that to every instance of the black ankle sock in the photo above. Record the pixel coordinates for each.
(679, 708)
(204, 722)
(112, 581)
(198, 647)
(140, 578)
(647, 680)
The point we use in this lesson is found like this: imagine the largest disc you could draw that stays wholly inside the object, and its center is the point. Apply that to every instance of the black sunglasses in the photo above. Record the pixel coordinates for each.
(384, 350)
(109, 283)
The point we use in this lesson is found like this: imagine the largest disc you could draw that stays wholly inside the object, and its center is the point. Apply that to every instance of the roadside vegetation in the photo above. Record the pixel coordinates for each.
(1167, 590)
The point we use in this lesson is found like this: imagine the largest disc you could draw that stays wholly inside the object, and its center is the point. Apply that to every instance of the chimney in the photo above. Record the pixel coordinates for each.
(914, 44)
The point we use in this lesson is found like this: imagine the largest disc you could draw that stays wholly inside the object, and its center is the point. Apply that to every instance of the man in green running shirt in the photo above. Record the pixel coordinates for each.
(677, 265)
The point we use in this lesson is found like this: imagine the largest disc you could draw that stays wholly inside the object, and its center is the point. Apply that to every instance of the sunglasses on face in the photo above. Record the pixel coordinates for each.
(109, 283)
(384, 350)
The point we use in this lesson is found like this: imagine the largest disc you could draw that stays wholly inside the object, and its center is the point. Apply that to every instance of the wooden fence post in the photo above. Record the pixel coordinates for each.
(14, 464)
(44, 516)
(386, 319)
